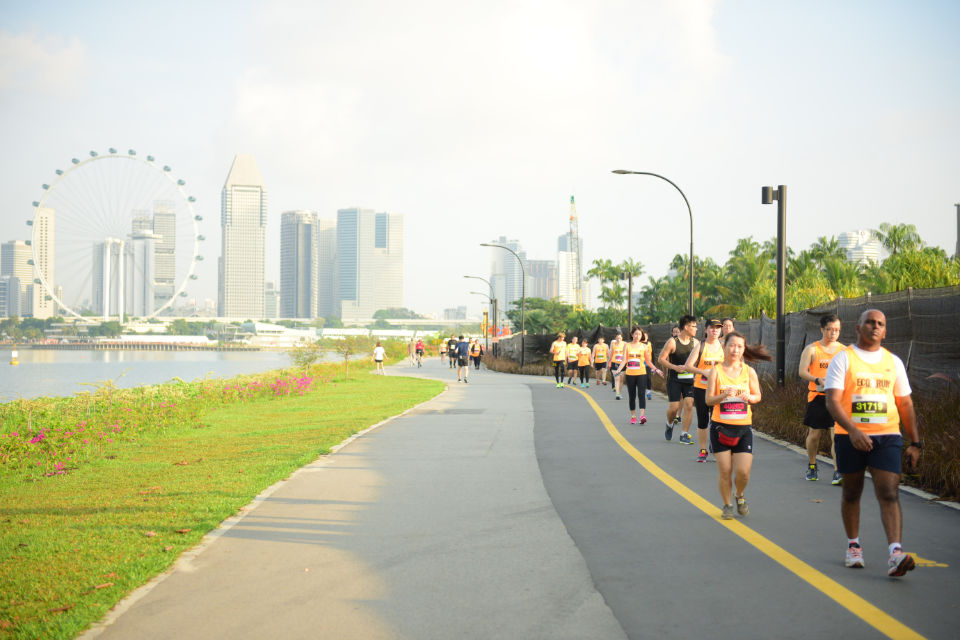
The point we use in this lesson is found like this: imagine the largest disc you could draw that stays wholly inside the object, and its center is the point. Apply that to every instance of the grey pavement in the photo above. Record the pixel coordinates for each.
(503, 509)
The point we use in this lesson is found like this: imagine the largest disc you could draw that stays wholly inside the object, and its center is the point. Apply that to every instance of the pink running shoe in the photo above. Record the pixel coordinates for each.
(643, 419)
(633, 420)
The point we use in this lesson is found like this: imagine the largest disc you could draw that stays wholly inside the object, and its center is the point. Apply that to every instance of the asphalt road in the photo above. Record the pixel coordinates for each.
(508, 508)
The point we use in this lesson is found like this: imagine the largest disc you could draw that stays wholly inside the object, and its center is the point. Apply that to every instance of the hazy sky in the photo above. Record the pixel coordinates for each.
(480, 120)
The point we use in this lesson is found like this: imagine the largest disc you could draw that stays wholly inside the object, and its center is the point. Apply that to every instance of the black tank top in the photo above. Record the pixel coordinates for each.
(679, 356)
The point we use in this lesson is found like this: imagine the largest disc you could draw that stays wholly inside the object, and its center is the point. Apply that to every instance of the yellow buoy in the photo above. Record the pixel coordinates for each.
(13, 358)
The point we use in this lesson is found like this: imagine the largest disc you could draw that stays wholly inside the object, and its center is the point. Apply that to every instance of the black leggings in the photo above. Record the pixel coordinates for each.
(703, 411)
(635, 391)
(584, 373)
(571, 372)
(558, 370)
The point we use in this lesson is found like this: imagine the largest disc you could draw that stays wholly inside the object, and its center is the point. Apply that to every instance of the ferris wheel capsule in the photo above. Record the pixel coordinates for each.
(181, 182)
(36, 203)
(131, 152)
(192, 199)
(112, 150)
(93, 154)
(75, 161)
(166, 168)
(150, 158)
(59, 172)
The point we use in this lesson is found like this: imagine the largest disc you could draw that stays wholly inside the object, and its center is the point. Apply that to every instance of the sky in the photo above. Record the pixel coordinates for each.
(480, 120)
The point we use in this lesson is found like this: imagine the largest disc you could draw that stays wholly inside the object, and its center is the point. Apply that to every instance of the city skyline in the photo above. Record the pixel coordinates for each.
(536, 104)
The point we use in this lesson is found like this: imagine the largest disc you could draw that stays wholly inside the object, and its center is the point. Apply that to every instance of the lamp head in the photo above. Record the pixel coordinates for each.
(766, 195)
(622, 171)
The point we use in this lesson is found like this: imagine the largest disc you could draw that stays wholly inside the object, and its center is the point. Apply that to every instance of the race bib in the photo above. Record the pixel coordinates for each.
(733, 409)
(633, 363)
(869, 409)
(684, 376)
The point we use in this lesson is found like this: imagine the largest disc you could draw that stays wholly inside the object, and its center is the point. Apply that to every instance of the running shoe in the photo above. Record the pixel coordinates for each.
(742, 507)
(465, 381)
(854, 558)
(561, 385)
(618, 396)
(643, 419)
(727, 512)
(678, 419)
(702, 456)
(685, 438)
(900, 563)
(668, 432)
(558, 385)
(812, 473)
(649, 395)
(837, 478)
(633, 420)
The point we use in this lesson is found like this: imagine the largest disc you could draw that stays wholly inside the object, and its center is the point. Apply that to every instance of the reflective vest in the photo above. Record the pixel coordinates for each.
(868, 395)
(733, 411)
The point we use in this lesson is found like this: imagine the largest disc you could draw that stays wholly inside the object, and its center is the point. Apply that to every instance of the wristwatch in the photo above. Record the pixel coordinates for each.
(916, 443)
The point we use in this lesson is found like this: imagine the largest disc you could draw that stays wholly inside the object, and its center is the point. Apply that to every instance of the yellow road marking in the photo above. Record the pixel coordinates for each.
(923, 562)
(872, 615)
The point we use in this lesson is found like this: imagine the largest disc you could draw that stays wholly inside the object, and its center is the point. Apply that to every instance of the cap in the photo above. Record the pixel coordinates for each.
(713, 322)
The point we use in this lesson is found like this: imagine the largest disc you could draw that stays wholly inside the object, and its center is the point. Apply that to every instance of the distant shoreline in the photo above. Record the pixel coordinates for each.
(134, 346)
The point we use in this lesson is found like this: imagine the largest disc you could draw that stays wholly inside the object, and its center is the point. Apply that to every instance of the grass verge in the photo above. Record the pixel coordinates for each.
(76, 541)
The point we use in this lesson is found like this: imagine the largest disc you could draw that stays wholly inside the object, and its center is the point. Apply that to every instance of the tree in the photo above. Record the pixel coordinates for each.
(396, 313)
(307, 354)
(897, 238)
(348, 347)
(542, 316)
(332, 322)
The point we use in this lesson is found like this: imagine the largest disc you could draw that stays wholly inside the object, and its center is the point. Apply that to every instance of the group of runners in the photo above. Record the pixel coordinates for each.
(858, 394)
(462, 353)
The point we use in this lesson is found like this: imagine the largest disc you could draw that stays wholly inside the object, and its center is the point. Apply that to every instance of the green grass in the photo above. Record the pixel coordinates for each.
(74, 543)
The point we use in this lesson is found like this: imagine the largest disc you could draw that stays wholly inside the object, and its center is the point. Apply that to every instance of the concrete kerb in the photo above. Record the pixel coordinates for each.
(186, 558)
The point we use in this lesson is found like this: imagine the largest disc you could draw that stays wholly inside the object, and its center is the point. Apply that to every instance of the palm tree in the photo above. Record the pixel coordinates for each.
(843, 277)
(825, 248)
(898, 237)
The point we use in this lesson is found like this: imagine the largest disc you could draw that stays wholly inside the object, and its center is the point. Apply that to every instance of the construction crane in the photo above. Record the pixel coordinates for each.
(577, 258)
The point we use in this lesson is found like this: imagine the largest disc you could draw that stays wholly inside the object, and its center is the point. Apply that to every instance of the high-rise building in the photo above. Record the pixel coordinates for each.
(43, 305)
(165, 227)
(243, 220)
(107, 280)
(15, 257)
(271, 300)
(140, 273)
(10, 296)
(326, 268)
(369, 263)
(506, 276)
(542, 279)
(861, 246)
(298, 264)
(567, 269)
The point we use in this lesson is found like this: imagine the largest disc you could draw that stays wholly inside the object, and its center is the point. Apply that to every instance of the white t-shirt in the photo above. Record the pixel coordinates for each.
(378, 353)
(837, 371)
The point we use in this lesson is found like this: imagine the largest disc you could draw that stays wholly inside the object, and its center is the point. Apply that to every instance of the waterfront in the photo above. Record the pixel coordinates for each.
(64, 373)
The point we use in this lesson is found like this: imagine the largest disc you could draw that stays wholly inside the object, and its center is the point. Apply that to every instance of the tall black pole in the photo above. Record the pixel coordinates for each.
(767, 196)
(629, 277)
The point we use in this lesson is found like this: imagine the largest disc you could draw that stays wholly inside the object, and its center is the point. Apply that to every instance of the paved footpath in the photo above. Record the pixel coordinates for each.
(508, 508)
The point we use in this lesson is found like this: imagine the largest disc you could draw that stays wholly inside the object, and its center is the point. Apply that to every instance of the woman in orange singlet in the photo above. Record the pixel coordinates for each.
(559, 352)
(732, 386)
(636, 361)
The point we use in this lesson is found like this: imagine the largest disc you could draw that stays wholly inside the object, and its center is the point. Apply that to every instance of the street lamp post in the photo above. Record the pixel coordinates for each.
(689, 211)
(493, 303)
(767, 196)
(523, 298)
(486, 344)
(628, 276)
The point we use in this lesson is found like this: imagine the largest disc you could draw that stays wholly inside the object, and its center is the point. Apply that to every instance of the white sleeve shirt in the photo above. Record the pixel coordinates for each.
(837, 371)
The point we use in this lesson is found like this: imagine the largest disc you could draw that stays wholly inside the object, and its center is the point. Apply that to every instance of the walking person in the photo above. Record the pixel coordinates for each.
(814, 361)
(463, 359)
(636, 360)
(442, 349)
(452, 351)
(475, 352)
(645, 339)
(673, 358)
(379, 353)
(573, 356)
(732, 386)
(705, 357)
(600, 353)
(559, 351)
(617, 348)
(868, 394)
(583, 364)
(728, 326)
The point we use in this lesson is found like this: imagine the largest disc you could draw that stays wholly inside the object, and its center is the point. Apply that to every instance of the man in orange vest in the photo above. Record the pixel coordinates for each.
(868, 395)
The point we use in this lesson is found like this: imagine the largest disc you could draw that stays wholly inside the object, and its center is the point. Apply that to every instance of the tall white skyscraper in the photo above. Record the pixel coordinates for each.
(108, 278)
(140, 273)
(506, 276)
(369, 263)
(15, 257)
(243, 220)
(298, 264)
(567, 269)
(165, 227)
(326, 268)
(10, 296)
(43, 235)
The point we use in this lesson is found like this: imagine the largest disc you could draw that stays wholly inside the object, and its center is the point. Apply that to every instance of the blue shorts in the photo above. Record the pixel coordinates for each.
(887, 454)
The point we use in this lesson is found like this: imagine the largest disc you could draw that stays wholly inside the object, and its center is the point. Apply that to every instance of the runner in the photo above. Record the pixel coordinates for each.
(573, 356)
(636, 360)
(475, 352)
(814, 361)
(443, 351)
(673, 357)
(463, 362)
(452, 351)
(645, 339)
(419, 350)
(705, 357)
(410, 353)
(378, 355)
(617, 348)
(583, 364)
(732, 386)
(559, 351)
(599, 357)
(868, 395)
(728, 326)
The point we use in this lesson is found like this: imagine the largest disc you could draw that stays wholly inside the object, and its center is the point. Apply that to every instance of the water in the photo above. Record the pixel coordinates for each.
(60, 373)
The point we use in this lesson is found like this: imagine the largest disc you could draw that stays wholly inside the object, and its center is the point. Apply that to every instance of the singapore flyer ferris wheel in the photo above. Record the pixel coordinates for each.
(114, 235)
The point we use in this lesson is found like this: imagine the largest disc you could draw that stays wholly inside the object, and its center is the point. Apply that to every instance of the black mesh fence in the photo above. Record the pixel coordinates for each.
(922, 328)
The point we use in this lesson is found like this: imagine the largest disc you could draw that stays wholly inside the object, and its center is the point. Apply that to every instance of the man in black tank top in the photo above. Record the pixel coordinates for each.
(679, 382)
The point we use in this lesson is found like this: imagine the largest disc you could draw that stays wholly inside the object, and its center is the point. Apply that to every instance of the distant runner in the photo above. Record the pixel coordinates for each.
(600, 353)
(378, 355)
(573, 356)
(814, 361)
(673, 357)
(452, 351)
(705, 357)
(463, 359)
(559, 352)
(583, 364)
